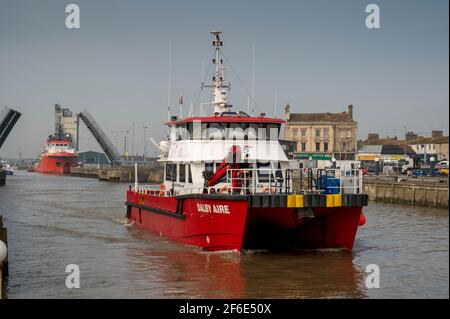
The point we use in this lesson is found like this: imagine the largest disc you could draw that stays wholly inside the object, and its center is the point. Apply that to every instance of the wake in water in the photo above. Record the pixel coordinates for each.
(125, 222)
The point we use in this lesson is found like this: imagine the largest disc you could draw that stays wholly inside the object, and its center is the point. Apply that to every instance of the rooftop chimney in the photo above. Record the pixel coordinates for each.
(437, 133)
(288, 112)
(350, 111)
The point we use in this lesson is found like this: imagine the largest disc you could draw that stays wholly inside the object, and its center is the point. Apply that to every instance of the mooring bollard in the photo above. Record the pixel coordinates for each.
(3, 255)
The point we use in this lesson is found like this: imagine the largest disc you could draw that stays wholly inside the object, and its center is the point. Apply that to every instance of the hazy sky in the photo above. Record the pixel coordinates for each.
(317, 55)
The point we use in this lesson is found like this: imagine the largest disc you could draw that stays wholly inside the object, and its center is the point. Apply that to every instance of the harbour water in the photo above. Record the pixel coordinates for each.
(54, 221)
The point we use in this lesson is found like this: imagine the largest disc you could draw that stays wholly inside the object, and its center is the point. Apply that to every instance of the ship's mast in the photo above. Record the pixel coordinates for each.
(218, 86)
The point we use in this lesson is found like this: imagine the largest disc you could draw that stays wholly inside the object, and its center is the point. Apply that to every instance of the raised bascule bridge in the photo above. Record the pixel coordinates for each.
(8, 118)
(111, 152)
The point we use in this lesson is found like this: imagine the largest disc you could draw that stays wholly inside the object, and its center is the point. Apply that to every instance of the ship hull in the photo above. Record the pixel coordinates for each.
(56, 164)
(232, 224)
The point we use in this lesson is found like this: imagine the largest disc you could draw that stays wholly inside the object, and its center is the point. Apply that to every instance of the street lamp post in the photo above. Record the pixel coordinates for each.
(126, 142)
(132, 142)
(404, 127)
(116, 134)
(145, 141)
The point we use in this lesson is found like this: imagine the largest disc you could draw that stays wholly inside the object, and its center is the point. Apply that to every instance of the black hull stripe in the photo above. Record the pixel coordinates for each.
(156, 210)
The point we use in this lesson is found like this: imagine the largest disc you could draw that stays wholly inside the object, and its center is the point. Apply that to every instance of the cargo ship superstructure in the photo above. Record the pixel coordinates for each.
(228, 185)
(59, 153)
(57, 157)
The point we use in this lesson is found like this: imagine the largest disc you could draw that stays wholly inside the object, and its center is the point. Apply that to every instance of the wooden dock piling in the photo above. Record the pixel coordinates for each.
(2, 177)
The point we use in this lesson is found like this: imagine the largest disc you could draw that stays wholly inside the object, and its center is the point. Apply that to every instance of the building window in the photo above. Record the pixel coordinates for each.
(349, 132)
(317, 147)
(303, 147)
(303, 131)
(326, 133)
(325, 147)
(317, 132)
(294, 132)
(342, 133)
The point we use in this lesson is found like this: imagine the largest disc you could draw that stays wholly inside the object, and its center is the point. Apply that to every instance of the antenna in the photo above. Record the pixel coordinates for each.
(203, 73)
(180, 103)
(191, 109)
(253, 79)
(170, 80)
(275, 103)
(220, 90)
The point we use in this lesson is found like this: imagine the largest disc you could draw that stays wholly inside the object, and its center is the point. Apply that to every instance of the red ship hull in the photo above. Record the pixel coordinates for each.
(231, 224)
(56, 163)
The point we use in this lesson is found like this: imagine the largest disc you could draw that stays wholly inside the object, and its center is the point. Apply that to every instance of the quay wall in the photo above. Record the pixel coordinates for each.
(404, 191)
(122, 174)
(426, 191)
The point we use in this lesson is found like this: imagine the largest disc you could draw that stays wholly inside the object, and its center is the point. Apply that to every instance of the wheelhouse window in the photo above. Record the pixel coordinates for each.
(273, 131)
(209, 170)
(221, 131)
(264, 173)
(190, 130)
(189, 173)
(252, 131)
(181, 132)
(235, 131)
(213, 131)
(182, 173)
(171, 172)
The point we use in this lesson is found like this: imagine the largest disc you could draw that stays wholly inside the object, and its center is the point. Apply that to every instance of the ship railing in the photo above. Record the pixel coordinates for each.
(276, 181)
(329, 180)
(195, 190)
(273, 181)
(157, 191)
(259, 180)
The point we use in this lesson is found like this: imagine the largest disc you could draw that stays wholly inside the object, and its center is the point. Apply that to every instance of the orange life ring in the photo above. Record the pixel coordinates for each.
(266, 189)
(223, 189)
(162, 189)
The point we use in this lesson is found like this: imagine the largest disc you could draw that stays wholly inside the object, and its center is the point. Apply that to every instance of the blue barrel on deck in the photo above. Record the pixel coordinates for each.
(329, 184)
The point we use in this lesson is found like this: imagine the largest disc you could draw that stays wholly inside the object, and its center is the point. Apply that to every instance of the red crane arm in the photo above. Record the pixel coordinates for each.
(231, 161)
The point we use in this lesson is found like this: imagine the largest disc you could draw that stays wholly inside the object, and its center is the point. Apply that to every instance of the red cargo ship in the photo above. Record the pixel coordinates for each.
(228, 185)
(58, 156)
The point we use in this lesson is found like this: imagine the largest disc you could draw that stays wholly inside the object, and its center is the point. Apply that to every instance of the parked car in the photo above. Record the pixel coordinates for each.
(442, 167)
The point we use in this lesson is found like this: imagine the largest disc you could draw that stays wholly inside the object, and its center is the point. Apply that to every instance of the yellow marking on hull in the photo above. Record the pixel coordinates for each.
(299, 201)
(295, 201)
(330, 200)
(338, 200)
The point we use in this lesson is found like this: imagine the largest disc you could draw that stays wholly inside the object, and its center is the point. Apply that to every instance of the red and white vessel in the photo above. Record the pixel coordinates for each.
(228, 185)
(58, 155)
